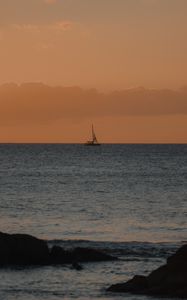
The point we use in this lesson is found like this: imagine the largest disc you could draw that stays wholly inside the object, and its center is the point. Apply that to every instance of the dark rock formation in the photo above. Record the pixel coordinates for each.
(169, 280)
(77, 266)
(179, 256)
(22, 249)
(134, 285)
(58, 255)
(88, 254)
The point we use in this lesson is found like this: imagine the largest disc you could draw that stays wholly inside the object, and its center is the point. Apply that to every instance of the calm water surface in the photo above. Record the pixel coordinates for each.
(129, 200)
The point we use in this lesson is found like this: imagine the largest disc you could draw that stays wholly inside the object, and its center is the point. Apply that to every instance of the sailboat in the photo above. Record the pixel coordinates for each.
(94, 141)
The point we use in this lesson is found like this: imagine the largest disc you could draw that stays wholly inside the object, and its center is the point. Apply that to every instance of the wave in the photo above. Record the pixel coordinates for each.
(124, 250)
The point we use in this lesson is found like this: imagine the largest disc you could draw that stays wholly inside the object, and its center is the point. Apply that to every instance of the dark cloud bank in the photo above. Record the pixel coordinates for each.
(36, 102)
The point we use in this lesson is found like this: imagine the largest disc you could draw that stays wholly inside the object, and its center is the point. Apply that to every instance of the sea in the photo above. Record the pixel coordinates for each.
(127, 200)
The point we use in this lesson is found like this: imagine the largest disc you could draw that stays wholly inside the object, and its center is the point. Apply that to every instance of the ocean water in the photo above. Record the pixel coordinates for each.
(128, 200)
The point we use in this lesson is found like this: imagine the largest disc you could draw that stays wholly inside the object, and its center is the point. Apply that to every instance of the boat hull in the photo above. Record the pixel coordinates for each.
(92, 145)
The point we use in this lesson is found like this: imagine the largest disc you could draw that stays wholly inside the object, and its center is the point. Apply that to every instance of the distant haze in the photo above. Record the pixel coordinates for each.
(107, 48)
(34, 112)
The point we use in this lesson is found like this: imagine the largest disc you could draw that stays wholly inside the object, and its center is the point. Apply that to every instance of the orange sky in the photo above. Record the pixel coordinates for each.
(100, 46)
(35, 112)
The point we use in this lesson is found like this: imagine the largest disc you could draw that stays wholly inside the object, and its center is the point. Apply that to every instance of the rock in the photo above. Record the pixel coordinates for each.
(178, 257)
(137, 283)
(77, 266)
(90, 255)
(58, 255)
(169, 280)
(22, 249)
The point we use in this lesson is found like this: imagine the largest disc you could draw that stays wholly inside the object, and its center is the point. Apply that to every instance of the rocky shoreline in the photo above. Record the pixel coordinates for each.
(27, 250)
(169, 280)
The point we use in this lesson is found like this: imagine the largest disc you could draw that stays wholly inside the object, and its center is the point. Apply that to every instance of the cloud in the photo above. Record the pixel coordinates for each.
(44, 36)
(39, 103)
(150, 2)
(62, 25)
(40, 28)
(50, 1)
(32, 28)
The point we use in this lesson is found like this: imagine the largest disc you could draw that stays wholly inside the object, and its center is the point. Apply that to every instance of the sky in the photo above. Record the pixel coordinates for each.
(120, 64)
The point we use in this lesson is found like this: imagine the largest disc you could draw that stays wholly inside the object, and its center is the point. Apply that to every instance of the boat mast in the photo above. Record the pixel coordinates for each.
(94, 139)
